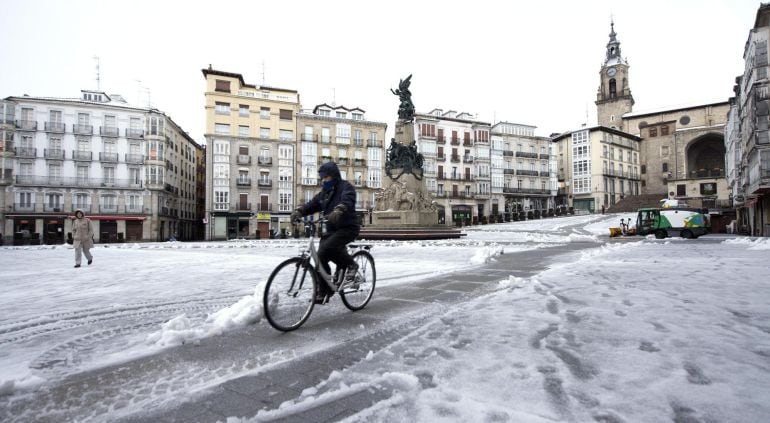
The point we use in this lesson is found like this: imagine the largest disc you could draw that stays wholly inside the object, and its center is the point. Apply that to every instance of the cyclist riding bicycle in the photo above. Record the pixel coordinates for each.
(336, 201)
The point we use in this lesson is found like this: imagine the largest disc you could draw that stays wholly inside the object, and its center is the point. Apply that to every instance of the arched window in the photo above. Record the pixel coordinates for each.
(613, 87)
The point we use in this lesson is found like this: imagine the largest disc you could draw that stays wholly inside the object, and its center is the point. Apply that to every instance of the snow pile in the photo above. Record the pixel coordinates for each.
(486, 255)
(751, 244)
(181, 330)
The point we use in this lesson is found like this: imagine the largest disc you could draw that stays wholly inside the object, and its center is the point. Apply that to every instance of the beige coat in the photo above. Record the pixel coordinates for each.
(82, 232)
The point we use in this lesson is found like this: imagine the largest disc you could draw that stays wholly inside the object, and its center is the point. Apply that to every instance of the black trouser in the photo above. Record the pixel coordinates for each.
(333, 247)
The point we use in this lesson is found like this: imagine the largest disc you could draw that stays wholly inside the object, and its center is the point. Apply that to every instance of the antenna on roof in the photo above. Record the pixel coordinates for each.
(334, 97)
(263, 72)
(98, 76)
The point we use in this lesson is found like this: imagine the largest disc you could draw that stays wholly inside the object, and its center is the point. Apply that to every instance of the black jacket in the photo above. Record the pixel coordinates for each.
(343, 192)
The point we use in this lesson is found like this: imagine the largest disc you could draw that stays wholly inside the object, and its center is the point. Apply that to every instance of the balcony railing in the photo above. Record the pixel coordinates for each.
(373, 143)
(243, 207)
(24, 207)
(109, 131)
(507, 153)
(309, 137)
(57, 127)
(243, 181)
(359, 162)
(53, 208)
(527, 172)
(81, 155)
(134, 158)
(326, 139)
(509, 171)
(108, 208)
(467, 143)
(545, 173)
(108, 157)
(454, 158)
(26, 152)
(455, 141)
(74, 181)
(441, 156)
(79, 129)
(544, 156)
(244, 159)
(468, 159)
(342, 140)
(26, 125)
(441, 140)
(343, 161)
(265, 160)
(525, 154)
(53, 153)
(265, 207)
(707, 173)
(309, 181)
(265, 182)
(508, 190)
(134, 133)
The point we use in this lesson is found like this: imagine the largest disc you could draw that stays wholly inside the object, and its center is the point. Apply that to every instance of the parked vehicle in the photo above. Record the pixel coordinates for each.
(666, 222)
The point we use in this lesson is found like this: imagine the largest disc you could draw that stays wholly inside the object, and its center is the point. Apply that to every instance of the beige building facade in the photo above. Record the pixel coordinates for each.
(342, 135)
(251, 156)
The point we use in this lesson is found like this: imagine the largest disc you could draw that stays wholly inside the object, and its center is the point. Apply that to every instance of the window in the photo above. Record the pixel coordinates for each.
(644, 169)
(264, 133)
(653, 132)
(358, 116)
(681, 190)
(664, 130)
(285, 114)
(286, 135)
(664, 151)
(665, 167)
(264, 113)
(54, 172)
(323, 112)
(243, 130)
(709, 188)
(222, 108)
(222, 129)
(222, 86)
(243, 110)
(342, 115)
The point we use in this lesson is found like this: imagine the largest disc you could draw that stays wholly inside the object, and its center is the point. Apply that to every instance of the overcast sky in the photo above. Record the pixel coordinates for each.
(530, 62)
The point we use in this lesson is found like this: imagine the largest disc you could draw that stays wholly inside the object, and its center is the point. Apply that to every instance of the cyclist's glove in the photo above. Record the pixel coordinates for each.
(336, 214)
(296, 215)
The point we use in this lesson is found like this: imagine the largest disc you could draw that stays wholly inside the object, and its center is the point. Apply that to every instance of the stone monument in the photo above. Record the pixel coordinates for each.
(404, 208)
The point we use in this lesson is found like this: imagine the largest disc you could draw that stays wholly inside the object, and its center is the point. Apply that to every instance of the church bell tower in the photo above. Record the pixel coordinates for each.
(613, 99)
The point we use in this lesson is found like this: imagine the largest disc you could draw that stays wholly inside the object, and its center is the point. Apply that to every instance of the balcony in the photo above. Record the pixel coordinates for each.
(707, 173)
(134, 133)
(509, 172)
(108, 157)
(134, 158)
(545, 173)
(84, 156)
(53, 153)
(108, 208)
(342, 140)
(508, 190)
(309, 181)
(507, 153)
(545, 156)
(468, 159)
(359, 183)
(441, 140)
(455, 141)
(309, 138)
(467, 143)
(359, 162)
(109, 131)
(454, 158)
(343, 161)
(525, 154)
(73, 181)
(268, 161)
(55, 127)
(326, 139)
(243, 181)
(265, 207)
(358, 142)
(324, 159)
(265, 182)
(461, 195)
(243, 207)
(527, 172)
(79, 129)
(26, 152)
(26, 125)
(373, 143)
(441, 156)
(244, 159)
(53, 208)
(135, 208)
(24, 207)
(86, 207)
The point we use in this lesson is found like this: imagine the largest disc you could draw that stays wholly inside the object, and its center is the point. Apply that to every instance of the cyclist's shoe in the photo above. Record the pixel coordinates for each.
(352, 278)
(321, 298)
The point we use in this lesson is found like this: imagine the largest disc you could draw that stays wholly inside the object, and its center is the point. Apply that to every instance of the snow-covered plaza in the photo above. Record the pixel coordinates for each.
(620, 330)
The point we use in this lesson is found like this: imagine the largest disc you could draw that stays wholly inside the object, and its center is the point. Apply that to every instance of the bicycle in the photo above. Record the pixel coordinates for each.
(290, 291)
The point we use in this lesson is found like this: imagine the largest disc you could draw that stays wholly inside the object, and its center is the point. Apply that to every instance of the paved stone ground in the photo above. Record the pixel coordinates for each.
(245, 396)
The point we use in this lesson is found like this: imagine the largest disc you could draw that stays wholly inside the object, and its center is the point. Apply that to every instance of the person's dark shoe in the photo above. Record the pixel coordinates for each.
(321, 299)
(89, 261)
(77, 265)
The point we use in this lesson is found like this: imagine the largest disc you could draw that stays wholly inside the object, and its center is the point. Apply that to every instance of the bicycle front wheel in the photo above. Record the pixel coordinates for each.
(289, 294)
(356, 295)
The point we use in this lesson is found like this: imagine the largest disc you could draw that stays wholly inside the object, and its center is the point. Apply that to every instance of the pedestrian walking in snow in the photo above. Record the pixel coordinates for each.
(84, 237)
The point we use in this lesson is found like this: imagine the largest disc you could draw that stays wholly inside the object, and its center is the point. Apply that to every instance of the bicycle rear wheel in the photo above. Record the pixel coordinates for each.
(289, 294)
(356, 295)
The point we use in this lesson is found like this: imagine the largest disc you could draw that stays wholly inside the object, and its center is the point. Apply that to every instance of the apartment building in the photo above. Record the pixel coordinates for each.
(521, 169)
(342, 135)
(131, 169)
(454, 173)
(746, 134)
(250, 158)
(596, 167)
